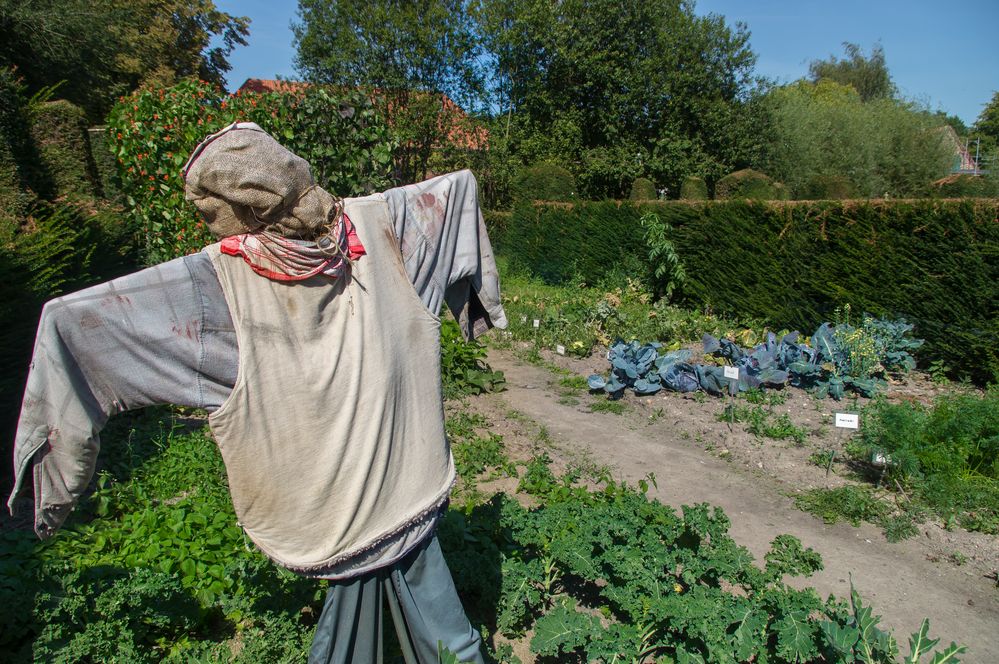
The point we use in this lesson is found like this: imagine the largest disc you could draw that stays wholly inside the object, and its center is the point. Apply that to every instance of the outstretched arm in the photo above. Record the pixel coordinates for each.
(143, 339)
(446, 250)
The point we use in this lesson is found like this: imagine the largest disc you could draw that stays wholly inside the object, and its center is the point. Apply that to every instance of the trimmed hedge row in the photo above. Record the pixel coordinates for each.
(933, 262)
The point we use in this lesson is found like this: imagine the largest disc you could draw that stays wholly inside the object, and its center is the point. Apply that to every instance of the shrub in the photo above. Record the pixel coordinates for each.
(152, 133)
(543, 182)
(643, 189)
(694, 188)
(59, 132)
(963, 185)
(828, 187)
(749, 184)
(793, 264)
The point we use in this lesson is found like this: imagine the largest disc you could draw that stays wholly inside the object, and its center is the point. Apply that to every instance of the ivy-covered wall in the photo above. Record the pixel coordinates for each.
(933, 262)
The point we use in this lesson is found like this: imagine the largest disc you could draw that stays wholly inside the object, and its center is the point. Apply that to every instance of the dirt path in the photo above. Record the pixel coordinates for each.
(900, 580)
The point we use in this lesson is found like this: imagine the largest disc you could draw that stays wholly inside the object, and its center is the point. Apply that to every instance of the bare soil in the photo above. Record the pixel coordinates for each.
(947, 576)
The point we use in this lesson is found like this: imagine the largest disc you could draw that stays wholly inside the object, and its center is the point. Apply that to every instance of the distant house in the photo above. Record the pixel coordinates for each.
(461, 132)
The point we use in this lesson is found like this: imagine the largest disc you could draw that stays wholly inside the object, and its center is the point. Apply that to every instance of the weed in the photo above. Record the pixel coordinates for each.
(762, 423)
(608, 406)
(761, 397)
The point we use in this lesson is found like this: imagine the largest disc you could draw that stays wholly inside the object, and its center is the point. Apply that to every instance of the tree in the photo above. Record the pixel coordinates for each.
(100, 49)
(868, 75)
(411, 53)
(825, 137)
(986, 125)
(603, 82)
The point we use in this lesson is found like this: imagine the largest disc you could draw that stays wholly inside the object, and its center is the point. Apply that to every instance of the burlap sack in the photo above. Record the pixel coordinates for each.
(242, 180)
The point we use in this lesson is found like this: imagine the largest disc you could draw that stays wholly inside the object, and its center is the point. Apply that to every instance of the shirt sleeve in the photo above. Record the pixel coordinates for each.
(153, 337)
(446, 249)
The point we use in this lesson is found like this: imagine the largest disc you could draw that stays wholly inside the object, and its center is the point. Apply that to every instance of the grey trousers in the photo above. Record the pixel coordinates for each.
(424, 605)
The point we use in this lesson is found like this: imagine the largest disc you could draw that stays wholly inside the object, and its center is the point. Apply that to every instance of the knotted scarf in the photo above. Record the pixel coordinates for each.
(288, 259)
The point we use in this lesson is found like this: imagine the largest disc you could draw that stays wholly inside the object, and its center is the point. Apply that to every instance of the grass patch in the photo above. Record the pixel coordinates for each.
(608, 406)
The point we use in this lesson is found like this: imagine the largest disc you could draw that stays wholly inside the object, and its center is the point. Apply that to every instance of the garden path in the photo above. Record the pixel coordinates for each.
(901, 580)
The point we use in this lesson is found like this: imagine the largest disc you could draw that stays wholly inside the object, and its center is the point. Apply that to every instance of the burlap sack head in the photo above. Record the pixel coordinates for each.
(242, 180)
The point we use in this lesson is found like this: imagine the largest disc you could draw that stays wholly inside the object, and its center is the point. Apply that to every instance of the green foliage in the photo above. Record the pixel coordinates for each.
(59, 132)
(857, 503)
(643, 189)
(473, 452)
(694, 188)
(749, 184)
(963, 185)
(824, 132)
(153, 132)
(543, 182)
(867, 75)
(765, 424)
(577, 316)
(986, 124)
(668, 269)
(666, 100)
(946, 454)
(107, 48)
(420, 59)
(827, 187)
(463, 369)
(805, 259)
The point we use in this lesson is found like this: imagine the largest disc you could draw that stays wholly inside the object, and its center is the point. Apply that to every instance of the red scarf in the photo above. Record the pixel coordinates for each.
(285, 259)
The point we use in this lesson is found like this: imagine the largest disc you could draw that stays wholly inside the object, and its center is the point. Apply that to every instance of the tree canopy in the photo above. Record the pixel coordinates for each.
(429, 46)
(868, 75)
(100, 49)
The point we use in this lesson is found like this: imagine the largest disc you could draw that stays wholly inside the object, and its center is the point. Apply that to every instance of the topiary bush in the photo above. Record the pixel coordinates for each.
(59, 132)
(828, 187)
(15, 149)
(749, 184)
(643, 189)
(153, 132)
(694, 188)
(543, 182)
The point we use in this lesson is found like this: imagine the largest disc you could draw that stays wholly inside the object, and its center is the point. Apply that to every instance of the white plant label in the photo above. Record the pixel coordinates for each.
(537, 323)
(560, 350)
(732, 372)
(847, 420)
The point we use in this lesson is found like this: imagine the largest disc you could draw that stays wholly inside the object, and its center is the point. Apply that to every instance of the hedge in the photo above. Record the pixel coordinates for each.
(933, 262)
(152, 132)
(59, 132)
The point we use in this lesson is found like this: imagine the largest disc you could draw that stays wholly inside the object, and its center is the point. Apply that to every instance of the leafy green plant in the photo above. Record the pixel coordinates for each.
(946, 455)
(765, 424)
(463, 367)
(153, 131)
(668, 269)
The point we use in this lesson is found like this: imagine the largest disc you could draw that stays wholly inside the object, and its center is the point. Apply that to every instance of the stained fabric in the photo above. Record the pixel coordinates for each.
(287, 259)
(165, 335)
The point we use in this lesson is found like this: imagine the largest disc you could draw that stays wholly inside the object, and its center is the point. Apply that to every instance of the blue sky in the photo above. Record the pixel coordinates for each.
(943, 54)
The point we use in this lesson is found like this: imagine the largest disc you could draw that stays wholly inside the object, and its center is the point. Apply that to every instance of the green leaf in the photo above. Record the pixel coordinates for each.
(795, 637)
(563, 630)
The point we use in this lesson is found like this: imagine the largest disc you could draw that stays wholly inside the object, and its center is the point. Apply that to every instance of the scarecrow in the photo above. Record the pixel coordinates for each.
(310, 334)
